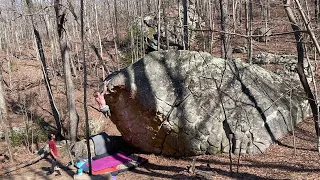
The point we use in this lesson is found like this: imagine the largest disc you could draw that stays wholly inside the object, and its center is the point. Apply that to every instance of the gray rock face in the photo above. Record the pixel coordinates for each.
(240, 49)
(268, 58)
(182, 103)
(79, 149)
(284, 65)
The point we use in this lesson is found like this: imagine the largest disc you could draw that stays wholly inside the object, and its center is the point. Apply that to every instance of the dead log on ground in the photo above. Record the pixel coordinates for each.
(43, 154)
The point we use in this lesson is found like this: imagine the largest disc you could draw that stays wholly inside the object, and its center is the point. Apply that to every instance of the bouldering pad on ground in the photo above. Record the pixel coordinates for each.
(109, 161)
(113, 164)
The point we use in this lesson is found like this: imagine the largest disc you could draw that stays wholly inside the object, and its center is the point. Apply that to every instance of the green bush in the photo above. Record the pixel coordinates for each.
(36, 133)
(17, 138)
(40, 134)
(40, 129)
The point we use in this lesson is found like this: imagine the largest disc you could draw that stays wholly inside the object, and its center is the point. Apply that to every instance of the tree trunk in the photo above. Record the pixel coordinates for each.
(165, 20)
(3, 117)
(266, 17)
(45, 74)
(185, 24)
(225, 38)
(116, 21)
(307, 24)
(211, 22)
(98, 32)
(300, 69)
(85, 86)
(250, 48)
(65, 56)
(316, 10)
(159, 25)
(316, 44)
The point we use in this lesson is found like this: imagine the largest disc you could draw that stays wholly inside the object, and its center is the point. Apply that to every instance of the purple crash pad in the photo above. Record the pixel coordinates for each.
(109, 161)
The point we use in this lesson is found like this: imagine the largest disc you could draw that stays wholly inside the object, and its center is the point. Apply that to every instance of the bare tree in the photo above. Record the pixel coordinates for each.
(300, 69)
(249, 22)
(54, 109)
(3, 117)
(316, 10)
(159, 25)
(116, 21)
(65, 50)
(85, 86)
(316, 44)
(225, 38)
(165, 20)
(185, 4)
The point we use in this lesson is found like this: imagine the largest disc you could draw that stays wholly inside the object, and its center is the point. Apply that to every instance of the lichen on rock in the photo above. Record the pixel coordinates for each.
(182, 103)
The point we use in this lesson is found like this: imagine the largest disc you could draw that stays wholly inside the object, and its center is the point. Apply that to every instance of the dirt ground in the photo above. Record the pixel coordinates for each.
(280, 161)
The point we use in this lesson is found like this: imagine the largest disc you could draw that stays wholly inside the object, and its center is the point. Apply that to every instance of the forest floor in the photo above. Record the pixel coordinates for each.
(280, 161)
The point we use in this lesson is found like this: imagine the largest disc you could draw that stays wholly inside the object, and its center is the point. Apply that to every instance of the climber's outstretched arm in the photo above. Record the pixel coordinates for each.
(104, 88)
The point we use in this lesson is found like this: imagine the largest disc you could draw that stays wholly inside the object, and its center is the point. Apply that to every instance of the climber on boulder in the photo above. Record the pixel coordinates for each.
(99, 97)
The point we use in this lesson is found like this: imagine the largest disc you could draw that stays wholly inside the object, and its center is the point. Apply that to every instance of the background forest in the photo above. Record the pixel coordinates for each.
(49, 70)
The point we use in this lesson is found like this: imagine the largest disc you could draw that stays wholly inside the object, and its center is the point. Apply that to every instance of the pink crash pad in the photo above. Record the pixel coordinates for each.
(109, 161)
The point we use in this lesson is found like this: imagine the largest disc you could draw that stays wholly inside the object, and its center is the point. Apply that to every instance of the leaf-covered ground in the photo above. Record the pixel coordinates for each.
(280, 161)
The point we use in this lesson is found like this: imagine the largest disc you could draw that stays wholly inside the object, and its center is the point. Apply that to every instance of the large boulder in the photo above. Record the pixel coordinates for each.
(182, 103)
